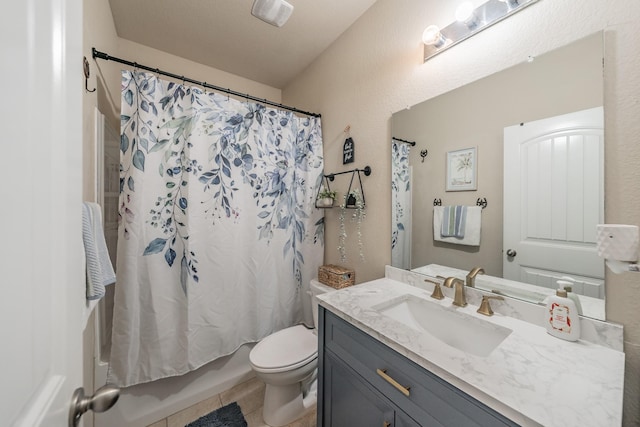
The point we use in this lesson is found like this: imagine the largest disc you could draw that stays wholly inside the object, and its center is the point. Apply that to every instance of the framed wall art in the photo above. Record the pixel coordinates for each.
(462, 167)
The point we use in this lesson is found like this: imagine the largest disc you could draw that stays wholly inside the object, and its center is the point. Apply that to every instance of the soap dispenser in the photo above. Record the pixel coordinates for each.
(568, 286)
(562, 318)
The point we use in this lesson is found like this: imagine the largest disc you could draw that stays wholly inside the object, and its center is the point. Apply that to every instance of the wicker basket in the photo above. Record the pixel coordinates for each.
(335, 276)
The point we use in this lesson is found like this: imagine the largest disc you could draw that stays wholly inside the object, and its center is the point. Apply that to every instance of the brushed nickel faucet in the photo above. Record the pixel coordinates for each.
(459, 297)
(471, 277)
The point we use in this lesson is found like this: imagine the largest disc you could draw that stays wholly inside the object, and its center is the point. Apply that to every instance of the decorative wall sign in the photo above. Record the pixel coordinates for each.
(461, 170)
(348, 151)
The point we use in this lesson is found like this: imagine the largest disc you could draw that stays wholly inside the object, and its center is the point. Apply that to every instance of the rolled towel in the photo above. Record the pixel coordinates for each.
(453, 221)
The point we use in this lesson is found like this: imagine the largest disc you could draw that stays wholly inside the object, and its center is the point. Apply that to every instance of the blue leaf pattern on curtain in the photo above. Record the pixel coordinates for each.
(199, 171)
(401, 203)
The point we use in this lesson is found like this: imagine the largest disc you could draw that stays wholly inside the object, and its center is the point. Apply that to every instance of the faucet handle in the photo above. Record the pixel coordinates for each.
(437, 290)
(485, 306)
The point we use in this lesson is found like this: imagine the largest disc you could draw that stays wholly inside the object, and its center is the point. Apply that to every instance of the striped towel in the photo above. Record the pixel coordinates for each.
(99, 269)
(453, 221)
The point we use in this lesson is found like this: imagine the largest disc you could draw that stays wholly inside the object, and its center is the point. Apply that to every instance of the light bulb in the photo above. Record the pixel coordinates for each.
(432, 36)
(465, 13)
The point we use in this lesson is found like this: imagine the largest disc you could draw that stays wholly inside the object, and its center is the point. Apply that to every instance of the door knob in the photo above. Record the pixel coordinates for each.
(511, 253)
(103, 399)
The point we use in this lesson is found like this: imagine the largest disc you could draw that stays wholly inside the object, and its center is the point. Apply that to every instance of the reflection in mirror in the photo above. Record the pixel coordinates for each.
(565, 81)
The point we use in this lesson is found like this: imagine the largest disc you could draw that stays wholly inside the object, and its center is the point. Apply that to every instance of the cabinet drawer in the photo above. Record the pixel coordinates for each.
(429, 397)
(349, 401)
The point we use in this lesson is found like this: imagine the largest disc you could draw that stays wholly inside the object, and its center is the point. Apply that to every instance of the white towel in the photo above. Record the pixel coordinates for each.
(99, 269)
(472, 227)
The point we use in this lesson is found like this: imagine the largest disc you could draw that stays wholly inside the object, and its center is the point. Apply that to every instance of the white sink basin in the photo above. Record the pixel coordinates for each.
(456, 329)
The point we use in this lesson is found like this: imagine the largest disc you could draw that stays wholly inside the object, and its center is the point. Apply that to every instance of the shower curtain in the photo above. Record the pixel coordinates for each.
(218, 233)
(401, 206)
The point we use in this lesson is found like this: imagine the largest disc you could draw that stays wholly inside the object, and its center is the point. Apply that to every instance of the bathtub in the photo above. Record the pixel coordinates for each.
(144, 404)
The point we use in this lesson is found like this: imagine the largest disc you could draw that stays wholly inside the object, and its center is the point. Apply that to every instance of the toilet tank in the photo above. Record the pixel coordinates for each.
(317, 288)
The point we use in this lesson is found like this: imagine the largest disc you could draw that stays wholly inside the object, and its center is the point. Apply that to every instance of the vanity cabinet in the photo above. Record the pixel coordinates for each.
(364, 383)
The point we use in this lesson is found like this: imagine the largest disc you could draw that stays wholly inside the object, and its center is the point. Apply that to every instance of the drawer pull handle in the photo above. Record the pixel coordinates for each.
(387, 378)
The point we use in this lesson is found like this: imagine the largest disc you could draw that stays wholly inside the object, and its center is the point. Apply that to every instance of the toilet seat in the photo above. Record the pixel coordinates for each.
(285, 350)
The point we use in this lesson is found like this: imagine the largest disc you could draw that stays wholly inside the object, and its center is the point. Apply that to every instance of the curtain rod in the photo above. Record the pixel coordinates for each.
(411, 143)
(106, 57)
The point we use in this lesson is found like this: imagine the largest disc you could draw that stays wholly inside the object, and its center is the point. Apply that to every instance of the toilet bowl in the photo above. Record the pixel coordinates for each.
(287, 362)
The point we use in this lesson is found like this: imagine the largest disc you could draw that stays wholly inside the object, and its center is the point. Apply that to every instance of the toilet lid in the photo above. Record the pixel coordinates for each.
(288, 347)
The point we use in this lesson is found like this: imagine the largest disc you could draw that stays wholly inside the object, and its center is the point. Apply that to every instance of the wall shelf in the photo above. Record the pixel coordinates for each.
(350, 202)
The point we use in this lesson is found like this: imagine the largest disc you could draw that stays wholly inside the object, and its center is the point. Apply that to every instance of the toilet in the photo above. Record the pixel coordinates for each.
(287, 362)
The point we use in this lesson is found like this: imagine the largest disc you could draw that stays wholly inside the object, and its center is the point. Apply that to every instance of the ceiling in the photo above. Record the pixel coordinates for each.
(223, 34)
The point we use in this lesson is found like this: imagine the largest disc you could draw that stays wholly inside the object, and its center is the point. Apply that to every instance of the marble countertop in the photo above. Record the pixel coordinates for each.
(532, 377)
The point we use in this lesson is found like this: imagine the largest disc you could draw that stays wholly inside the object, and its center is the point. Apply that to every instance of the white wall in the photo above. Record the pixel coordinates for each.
(376, 69)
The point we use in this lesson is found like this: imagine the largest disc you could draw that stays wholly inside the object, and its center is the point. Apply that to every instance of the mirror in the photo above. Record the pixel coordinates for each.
(566, 80)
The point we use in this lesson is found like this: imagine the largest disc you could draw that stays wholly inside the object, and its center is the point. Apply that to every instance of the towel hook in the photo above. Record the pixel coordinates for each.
(87, 73)
(423, 154)
(437, 202)
(482, 202)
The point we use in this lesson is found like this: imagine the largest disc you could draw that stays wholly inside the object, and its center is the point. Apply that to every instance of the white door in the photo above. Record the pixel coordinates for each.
(553, 199)
(41, 247)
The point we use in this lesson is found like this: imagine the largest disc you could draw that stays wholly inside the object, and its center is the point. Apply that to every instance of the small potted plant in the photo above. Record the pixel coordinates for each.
(326, 198)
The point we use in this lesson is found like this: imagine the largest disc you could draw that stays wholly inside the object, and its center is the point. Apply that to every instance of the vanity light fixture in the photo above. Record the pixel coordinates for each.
(510, 3)
(469, 21)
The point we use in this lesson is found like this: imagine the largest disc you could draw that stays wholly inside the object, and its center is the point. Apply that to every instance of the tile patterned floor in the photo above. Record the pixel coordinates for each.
(249, 396)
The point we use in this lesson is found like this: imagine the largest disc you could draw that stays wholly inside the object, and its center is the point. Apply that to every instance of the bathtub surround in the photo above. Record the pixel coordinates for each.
(218, 228)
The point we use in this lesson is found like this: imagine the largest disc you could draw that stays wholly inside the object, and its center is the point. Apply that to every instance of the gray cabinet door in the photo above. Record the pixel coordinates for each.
(350, 402)
(403, 420)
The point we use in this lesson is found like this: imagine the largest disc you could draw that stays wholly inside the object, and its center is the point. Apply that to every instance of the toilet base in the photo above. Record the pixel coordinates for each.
(285, 404)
